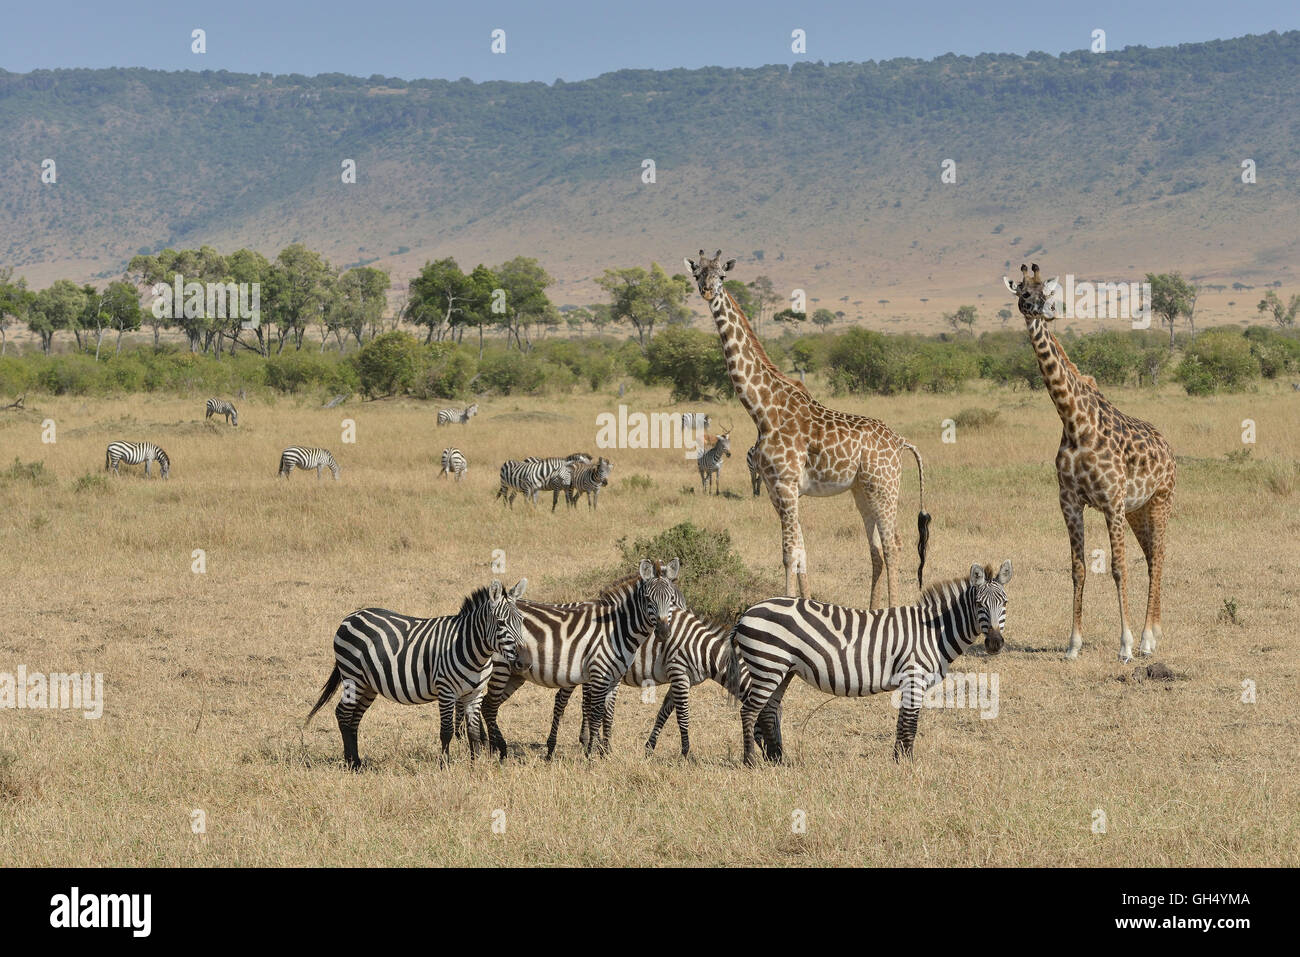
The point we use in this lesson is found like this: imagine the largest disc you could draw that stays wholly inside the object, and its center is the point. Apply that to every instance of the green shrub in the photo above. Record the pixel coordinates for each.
(1217, 360)
(1109, 357)
(508, 373)
(446, 372)
(32, 473)
(92, 482)
(715, 582)
(389, 364)
(690, 361)
(976, 418)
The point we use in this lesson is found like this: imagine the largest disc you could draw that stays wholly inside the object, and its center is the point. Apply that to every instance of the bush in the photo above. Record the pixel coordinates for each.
(940, 367)
(389, 364)
(447, 371)
(32, 473)
(976, 418)
(1217, 360)
(714, 580)
(507, 373)
(1111, 358)
(299, 371)
(690, 361)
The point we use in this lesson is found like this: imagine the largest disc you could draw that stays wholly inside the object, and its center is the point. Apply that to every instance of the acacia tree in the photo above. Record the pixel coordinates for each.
(524, 283)
(148, 271)
(436, 297)
(964, 316)
(55, 308)
(1171, 296)
(646, 298)
(15, 300)
(299, 289)
(120, 305)
(247, 266)
(1282, 314)
(764, 297)
(481, 303)
(360, 298)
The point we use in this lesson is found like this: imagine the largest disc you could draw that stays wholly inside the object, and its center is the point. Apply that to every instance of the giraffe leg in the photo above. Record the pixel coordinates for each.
(1072, 509)
(863, 501)
(1119, 571)
(1149, 524)
(785, 498)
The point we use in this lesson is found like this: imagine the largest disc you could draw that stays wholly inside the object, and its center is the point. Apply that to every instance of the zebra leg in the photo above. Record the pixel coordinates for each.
(906, 732)
(447, 714)
(474, 719)
(460, 718)
(501, 686)
(771, 717)
(146, 467)
(319, 468)
(680, 689)
(611, 697)
(595, 703)
(561, 702)
(351, 709)
(665, 709)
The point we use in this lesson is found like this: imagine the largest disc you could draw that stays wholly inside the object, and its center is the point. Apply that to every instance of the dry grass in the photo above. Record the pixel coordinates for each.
(208, 677)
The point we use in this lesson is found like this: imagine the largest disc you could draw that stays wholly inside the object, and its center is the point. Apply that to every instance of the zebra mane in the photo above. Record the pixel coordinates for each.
(940, 591)
(612, 590)
(475, 600)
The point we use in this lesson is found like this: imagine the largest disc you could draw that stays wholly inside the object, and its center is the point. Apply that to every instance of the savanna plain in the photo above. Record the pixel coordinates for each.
(208, 676)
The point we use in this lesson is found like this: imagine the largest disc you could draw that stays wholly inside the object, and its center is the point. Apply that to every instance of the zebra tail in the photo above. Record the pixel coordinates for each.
(331, 685)
(922, 519)
(733, 668)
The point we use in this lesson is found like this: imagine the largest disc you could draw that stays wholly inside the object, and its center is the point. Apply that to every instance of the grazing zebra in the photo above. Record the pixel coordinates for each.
(532, 475)
(300, 457)
(222, 407)
(447, 416)
(453, 461)
(589, 643)
(133, 453)
(851, 652)
(589, 477)
(755, 477)
(710, 463)
(561, 474)
(694, 420)
(693, 652)
(418, 660)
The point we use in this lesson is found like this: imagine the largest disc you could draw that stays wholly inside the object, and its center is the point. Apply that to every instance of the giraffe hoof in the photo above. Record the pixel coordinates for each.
(1071, 654)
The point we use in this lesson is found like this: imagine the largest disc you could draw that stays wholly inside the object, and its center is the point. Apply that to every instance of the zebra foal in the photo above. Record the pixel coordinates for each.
(710, 462)
(853, 652)
(419, 660)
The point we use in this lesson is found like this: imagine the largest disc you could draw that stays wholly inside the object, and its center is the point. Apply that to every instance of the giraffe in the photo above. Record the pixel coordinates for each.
(1115, 463)
(805, 448)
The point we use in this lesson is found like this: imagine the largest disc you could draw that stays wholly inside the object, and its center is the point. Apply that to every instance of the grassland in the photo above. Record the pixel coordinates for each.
(208, 676)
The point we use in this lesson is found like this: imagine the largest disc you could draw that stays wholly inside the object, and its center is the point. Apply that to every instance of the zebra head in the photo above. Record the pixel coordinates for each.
(603, 465)
(509, 623)
(724, 443)
(658, 593)
(164, 463)
(472, 410)
(1034, 297)
(709, 273)
(989, 604)
(234, 416)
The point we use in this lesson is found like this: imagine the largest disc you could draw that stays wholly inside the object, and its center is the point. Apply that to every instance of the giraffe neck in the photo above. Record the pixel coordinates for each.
(1061, 376)
(756, 380)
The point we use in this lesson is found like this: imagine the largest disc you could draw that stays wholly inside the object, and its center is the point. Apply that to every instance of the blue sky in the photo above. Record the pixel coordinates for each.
(577, 40)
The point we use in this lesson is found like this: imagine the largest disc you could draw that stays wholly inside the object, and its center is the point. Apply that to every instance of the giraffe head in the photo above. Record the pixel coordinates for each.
(1036, 298)
(709, 273)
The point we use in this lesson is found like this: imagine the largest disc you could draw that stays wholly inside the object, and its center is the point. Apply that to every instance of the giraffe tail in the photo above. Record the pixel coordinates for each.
(331, 685)
(922, 518)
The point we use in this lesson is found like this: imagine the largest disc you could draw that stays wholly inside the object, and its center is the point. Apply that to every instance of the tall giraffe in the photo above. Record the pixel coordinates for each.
(1115, 463)
(805, 448)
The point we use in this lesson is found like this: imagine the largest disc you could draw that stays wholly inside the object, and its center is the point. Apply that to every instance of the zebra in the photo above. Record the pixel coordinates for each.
(694, 420)
(590, 477)
(710, 462)
(561, 474)
(453, 461)
(589, 643)
(418, 660)
(133, 453)
(530, 477)
(755, 477)
(301, 457)
(693, 652)
(447, 416)
(221, 407)
(852, 652)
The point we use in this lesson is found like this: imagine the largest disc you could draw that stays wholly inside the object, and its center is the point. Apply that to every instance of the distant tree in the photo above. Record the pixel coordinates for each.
(481, 300)
(823, 318)
(251, 267)
(789, 315)
(120, 305)
(764, 296)
(646, 298)
(55, 308)
(15, 300)
(1005, 315)
(1171, 296)
(299, 289)
(524, 282)
(1283, 315)
(965, 316)
(438, 296)
(359, 300)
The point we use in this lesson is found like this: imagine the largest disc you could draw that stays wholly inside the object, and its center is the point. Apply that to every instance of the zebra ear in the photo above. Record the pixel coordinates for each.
(673, 568)
(495, 590)
(1004, 573)
(647, 569)
(518, 590)
(977, 574)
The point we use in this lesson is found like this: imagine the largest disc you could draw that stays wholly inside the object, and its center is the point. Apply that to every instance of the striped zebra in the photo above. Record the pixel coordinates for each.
(448, 416)
(133, 453)
(453, 462)
(588, 478)
(755, 477)
(693, 652)
(589, 643)
(710, 462)
(301, 457)
(561, 474)
(694, 420)
(419, 660)
(529, 477)
(221, 407)
(852, 652)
